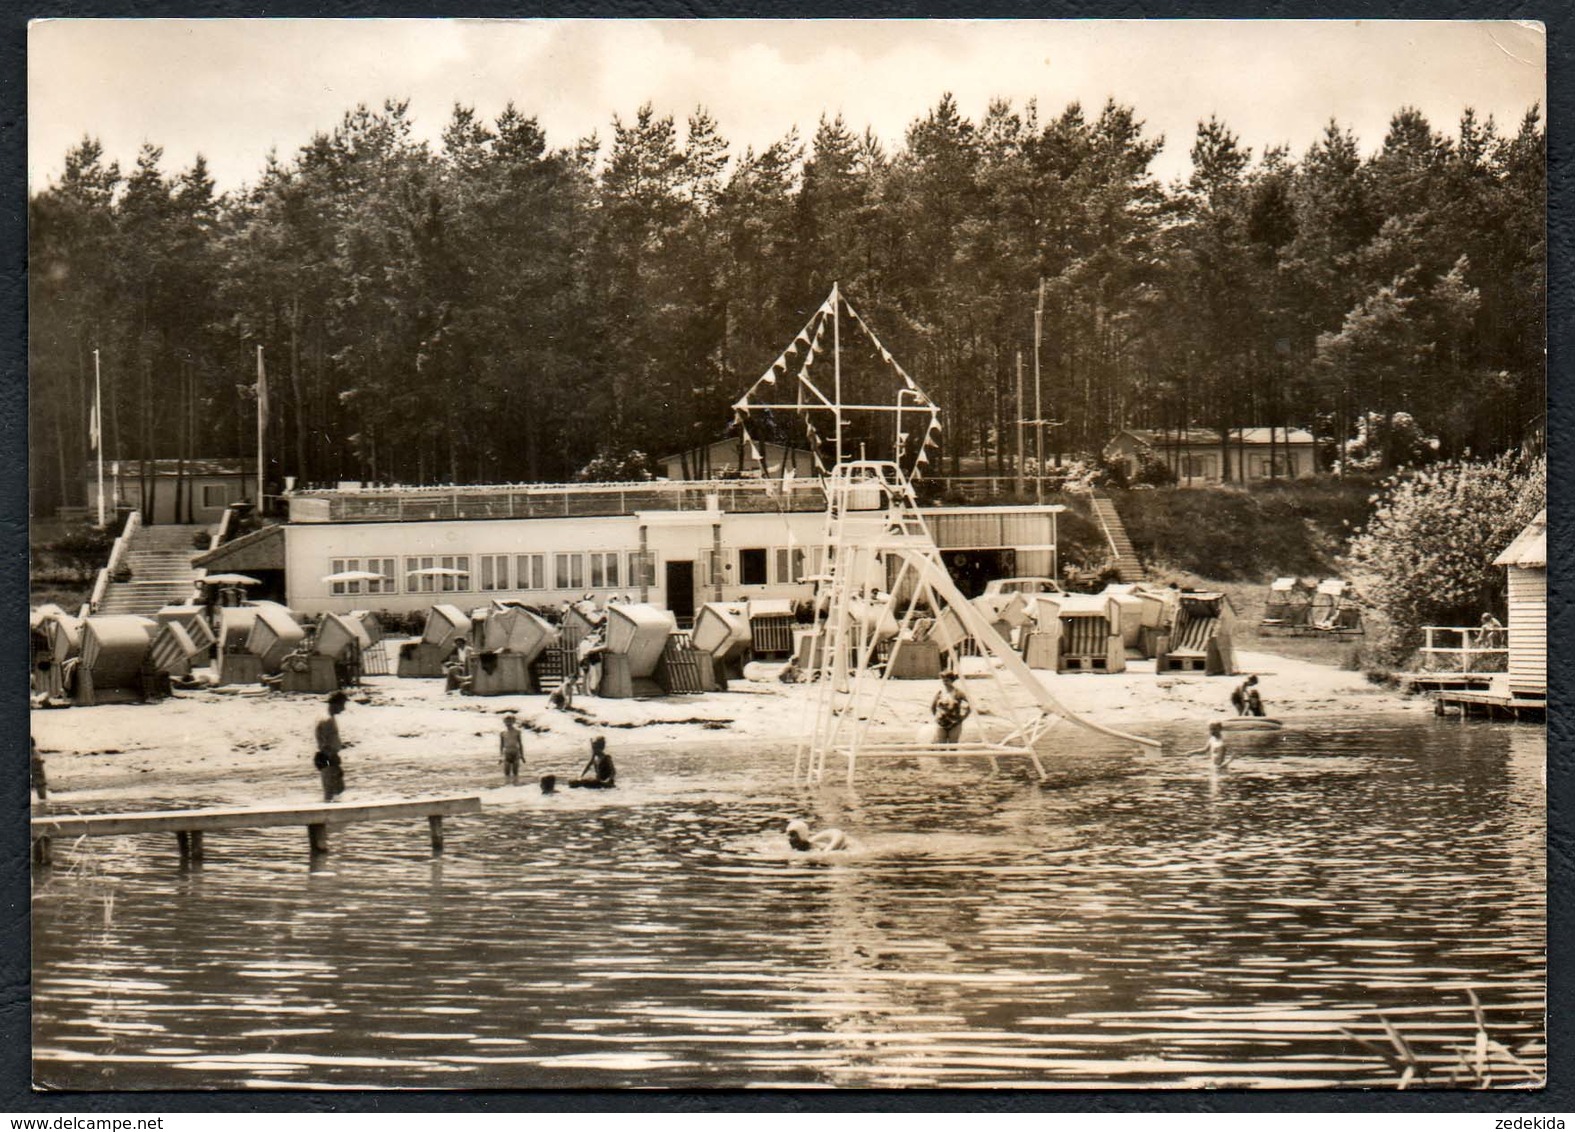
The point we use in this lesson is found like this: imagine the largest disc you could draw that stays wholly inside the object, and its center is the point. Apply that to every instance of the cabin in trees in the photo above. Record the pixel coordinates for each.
(674, 544)
(725, 459)
(1527, 562)
(1198, 458)
(201, 488)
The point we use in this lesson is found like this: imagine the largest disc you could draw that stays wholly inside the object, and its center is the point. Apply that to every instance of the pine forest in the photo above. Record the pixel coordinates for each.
(505, 307)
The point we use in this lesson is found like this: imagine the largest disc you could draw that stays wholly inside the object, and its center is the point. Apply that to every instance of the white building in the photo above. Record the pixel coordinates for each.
(676, 545)
(1195, 455)
(1527, 561)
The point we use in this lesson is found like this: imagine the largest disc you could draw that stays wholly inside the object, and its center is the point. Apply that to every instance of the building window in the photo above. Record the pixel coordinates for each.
(1197, 467)
(387, 584)
(494, 571)
(642, 568)
(604, 570)
(790, 561)
(216, 495)
(344, 566)
(568, 571)
(752, 567)
(1282, 465)
(418, 583)
(459, 582)
(530, 571)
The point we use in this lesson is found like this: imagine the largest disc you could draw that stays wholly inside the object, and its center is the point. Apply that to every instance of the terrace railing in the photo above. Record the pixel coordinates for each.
(550, 501)
(117, 557)
(1451, 648)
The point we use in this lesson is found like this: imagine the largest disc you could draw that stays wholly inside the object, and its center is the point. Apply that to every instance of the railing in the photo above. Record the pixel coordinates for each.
(985, 489)
(221, 533)
(554, 501)
(116, 554)
(1464, 649)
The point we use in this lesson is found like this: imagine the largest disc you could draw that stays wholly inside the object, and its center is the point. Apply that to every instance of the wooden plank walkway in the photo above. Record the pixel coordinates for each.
(188, 826)
(1490, 704)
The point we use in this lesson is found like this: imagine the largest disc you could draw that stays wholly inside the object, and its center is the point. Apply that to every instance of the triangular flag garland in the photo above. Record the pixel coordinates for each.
(809, 399)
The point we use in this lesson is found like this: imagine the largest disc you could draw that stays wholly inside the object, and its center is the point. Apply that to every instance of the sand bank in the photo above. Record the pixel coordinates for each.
(242, 745)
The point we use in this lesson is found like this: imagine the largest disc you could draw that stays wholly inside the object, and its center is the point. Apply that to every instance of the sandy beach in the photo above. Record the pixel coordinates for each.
(242, 745)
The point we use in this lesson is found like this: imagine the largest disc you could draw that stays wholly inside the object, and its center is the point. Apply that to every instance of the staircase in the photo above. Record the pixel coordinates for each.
(161, 572)
(1127, 564)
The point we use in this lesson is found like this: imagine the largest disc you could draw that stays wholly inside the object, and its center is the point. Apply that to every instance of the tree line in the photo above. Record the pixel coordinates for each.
(495, 308)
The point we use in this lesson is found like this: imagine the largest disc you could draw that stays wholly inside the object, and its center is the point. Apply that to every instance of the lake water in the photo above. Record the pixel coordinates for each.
(1136, 922)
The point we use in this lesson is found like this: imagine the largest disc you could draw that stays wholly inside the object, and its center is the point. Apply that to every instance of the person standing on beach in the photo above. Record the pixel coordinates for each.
(950, 707)
(329, 745)
(1245, 698)
(512, 748)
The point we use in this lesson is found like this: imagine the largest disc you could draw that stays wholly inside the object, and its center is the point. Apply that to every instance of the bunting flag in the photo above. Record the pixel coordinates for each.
(812, 403)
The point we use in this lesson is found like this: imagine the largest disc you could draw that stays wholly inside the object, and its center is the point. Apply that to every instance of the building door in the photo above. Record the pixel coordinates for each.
(680, 580)
(972, 569)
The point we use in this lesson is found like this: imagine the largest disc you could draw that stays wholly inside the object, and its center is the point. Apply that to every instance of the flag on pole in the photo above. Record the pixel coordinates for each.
(93, 428)
(262, 387)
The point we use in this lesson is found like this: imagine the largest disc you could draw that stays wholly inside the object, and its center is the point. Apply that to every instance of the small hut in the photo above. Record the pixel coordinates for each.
(1334, 609)
(636, 640)
(275, 634)
(1077, 633)
(194, 620)
(581, 621)
(508, 642)
(446, 627)
(1289, 604)
(1144, 615)
(722, 632)
(1006, 612)
(115, 666)
(771, 624)
(1200, 639)
(174, 652)
(1526, 559)
(330, 659)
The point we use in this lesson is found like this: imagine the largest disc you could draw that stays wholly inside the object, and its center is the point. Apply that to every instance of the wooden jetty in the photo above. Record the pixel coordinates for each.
(188, 826)
(1491, 705)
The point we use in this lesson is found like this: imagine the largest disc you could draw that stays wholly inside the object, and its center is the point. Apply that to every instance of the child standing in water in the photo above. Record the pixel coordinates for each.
(1219, 757)
(512, 749)
(329, 744)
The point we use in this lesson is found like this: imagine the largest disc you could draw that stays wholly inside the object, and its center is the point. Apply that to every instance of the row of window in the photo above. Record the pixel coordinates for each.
(454, 573)
(1207, 467)
(576, 570)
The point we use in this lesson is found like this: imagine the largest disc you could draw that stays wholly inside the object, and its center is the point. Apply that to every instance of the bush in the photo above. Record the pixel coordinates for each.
(1426, 555)
(613, 467)
(81, 551)
(1231, 534)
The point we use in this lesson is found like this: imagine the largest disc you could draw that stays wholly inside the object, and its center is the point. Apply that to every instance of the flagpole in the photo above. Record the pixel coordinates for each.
(836, 360)
(1039, 411)
(262, 424)
(98, 434)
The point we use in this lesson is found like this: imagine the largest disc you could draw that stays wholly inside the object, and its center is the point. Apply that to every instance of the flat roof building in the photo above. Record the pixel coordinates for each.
(674, 544)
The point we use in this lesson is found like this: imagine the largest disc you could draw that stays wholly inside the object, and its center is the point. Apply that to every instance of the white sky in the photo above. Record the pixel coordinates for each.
(231, 89)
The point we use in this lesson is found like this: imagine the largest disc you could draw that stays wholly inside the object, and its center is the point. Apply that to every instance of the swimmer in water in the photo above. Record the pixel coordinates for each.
(826, 841)
(1219, 757)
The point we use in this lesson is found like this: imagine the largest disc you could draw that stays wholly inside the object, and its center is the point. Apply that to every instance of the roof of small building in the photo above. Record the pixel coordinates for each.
(262, 549)
(1158, 438)
(1530, 547)
(731, 442)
